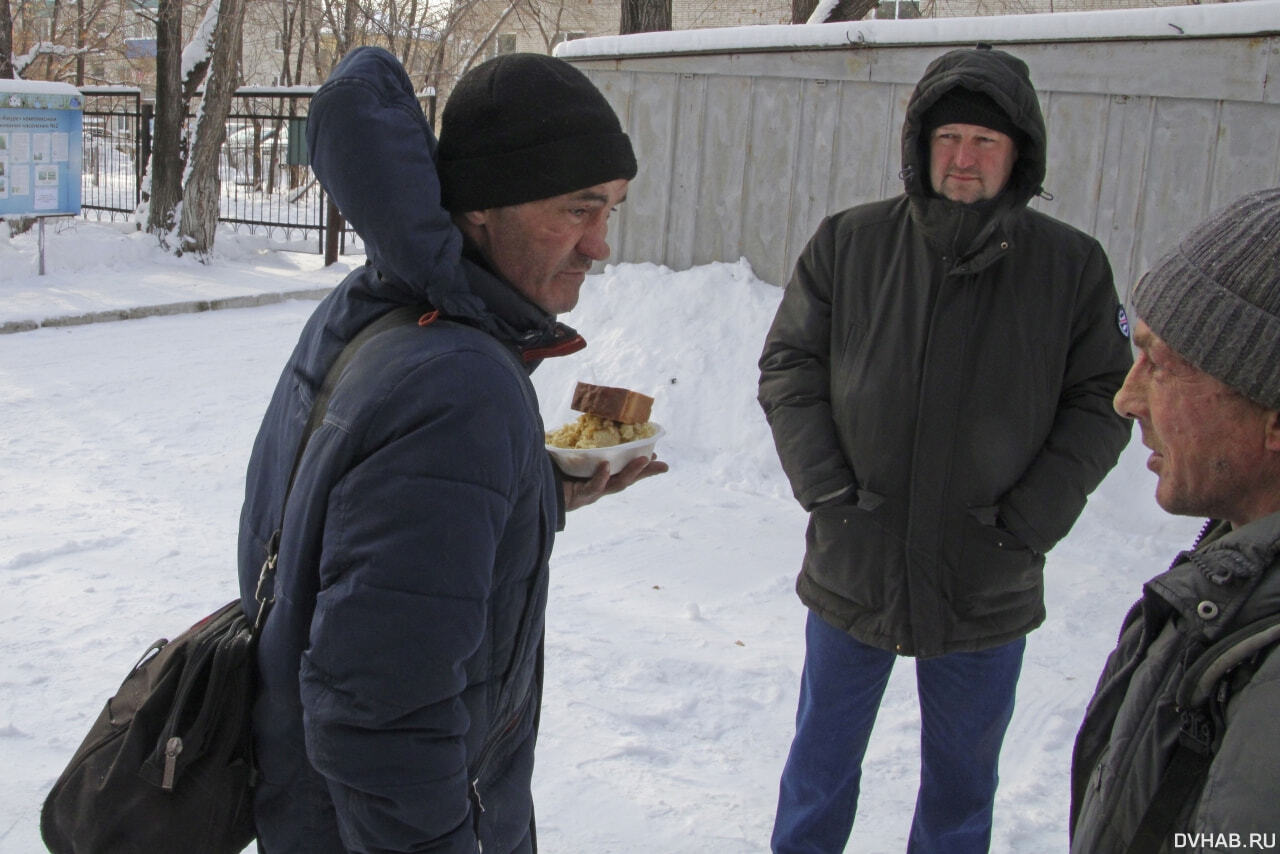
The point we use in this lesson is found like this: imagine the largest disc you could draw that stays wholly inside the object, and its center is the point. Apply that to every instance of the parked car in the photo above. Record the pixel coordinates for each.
(249, 145)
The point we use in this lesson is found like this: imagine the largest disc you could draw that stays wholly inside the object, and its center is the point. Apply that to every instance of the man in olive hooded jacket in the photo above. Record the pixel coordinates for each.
(938, 380)
(1177, 751)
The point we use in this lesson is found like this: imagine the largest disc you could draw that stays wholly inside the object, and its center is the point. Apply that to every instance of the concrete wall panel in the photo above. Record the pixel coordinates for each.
(743, 153)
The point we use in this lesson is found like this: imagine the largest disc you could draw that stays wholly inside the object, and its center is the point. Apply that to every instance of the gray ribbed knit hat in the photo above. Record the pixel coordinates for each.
(1215, 299)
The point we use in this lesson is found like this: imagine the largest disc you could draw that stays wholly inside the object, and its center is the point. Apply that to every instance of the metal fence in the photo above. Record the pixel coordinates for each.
(267, 186)
(113, 150)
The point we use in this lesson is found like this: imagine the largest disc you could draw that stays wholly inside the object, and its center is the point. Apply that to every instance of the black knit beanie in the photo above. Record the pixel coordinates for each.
(1215, 299)
(526, 126)
(959, 105)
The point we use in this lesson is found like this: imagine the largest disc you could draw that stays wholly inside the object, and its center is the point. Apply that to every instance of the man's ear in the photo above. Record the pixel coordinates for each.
(1272, 426)
(473, 224)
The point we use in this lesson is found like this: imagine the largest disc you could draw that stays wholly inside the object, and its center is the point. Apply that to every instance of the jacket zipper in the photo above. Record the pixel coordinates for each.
(489, 748)
(1204, 532)
(172, 748)
(474, 794)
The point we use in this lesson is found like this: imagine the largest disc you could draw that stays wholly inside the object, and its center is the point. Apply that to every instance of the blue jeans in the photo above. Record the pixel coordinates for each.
(966, 701)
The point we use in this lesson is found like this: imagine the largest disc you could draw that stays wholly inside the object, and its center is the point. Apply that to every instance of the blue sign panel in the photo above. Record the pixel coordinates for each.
(40, 148)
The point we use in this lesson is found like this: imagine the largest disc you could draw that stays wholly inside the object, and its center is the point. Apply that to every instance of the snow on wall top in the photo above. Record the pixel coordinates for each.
(1255, 17)
(38, 87)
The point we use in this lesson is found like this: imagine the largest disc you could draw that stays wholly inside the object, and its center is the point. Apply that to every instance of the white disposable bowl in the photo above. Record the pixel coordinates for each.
(582, 462)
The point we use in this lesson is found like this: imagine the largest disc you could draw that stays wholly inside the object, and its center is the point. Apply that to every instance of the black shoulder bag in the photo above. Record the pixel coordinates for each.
(168, 764)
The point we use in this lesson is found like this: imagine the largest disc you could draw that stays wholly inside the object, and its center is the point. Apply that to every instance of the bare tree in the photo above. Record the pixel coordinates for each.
(164, 172)
(182, 205)
(53, 32)
(851, 10)
(6, 41)
(44, 43)
(547, 17)
(436, 40)
(80, 45)
(644, 16)
(343, 17)
(293, 24)
(202, 188)
(802, 10)
(475, 48)
(842, 10)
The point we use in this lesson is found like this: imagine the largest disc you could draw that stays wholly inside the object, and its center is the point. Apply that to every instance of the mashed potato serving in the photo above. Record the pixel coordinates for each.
(593, 431)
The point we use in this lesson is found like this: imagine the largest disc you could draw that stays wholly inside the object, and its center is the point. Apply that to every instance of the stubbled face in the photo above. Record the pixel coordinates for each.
(1209, 443)
(970, 163)
(546, 247)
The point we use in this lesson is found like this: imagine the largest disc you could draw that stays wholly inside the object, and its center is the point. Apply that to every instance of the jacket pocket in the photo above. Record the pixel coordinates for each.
(847, 547)
(989, 526)
(997, 576)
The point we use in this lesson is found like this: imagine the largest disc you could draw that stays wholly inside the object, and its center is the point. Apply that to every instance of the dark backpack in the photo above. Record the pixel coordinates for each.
(173, 742)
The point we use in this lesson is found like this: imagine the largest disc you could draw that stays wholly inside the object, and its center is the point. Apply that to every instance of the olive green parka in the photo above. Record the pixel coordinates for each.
(938, 379)
(1229, 581)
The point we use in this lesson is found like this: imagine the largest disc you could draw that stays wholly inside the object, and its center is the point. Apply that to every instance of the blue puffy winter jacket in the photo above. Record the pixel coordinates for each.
(400, 665)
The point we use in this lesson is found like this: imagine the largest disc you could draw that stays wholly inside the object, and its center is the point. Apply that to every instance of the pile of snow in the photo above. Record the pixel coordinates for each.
(674, 640)
(684, 339)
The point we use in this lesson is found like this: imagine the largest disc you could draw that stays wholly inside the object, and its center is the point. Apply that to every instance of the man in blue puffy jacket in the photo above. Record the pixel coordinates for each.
(400, 663)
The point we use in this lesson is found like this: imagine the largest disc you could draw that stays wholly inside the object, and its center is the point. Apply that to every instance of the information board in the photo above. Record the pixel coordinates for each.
(40, 148)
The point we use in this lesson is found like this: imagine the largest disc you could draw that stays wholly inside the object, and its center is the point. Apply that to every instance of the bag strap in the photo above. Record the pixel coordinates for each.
(264, 594)
(1197, 739)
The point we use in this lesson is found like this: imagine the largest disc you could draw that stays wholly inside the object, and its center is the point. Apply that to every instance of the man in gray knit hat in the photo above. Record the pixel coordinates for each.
(1178, 747)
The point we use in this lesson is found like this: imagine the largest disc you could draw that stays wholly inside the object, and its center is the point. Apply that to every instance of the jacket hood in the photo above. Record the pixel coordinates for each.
(1005, 79)
(374, 153)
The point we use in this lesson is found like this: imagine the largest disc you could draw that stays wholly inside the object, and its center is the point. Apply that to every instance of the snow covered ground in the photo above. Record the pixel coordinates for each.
(674, 641)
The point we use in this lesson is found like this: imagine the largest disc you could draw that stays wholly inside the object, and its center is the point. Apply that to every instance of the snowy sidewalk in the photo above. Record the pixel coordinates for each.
(103, 271)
